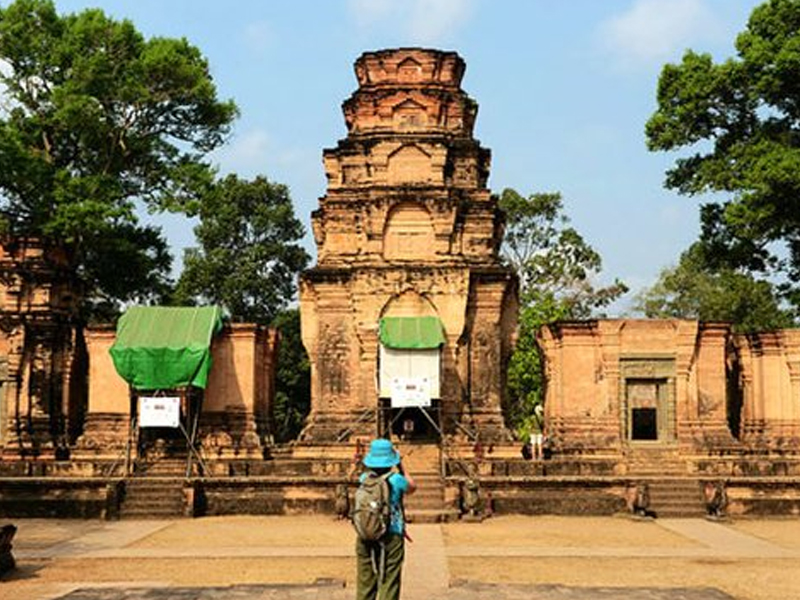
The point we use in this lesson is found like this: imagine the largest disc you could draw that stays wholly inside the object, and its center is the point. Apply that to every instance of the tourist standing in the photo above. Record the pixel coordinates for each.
(537, 432)
(380, 563)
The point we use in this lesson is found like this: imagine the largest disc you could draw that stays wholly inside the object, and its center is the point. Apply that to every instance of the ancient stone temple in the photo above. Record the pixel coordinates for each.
(408, 315)
(691, 395)
(42, 355)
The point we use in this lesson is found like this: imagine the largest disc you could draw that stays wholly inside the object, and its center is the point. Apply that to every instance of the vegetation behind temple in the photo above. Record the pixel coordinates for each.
(557, 269)
(99, 122)
(247, 261)
(739, 120)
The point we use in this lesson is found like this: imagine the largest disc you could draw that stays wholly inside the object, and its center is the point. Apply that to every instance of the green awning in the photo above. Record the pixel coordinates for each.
(418, 333)
(161, 347)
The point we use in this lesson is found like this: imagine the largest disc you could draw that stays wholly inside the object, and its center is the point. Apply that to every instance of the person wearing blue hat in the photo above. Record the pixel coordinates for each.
(380, 565)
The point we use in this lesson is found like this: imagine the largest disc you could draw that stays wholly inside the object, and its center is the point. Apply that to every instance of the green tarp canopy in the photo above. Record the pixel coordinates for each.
(161, 348)
(417, 333)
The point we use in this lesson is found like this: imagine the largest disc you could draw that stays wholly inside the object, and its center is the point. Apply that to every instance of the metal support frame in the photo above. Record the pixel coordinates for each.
(424, 409)
(190, 413)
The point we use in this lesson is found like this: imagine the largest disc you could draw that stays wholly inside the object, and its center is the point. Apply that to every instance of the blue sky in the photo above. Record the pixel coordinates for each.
(564, 87)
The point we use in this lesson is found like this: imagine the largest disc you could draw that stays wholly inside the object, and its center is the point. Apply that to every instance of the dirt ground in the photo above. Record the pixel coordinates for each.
(745, 579)
(249, 531)
(575, 532)
(196, 572)
(214, 541)
(777, 579)
(781, 532)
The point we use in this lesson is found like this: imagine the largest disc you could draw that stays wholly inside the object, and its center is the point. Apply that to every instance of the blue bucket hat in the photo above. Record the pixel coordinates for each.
(381, 455)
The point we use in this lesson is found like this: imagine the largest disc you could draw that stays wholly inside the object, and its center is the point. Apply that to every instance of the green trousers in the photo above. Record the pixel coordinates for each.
(369, 587)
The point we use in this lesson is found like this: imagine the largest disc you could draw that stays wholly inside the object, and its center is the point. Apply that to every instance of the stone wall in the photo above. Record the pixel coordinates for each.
(42, 367)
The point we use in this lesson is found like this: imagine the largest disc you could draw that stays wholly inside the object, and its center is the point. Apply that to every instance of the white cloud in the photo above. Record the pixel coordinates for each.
(420, 21)
(369, 12)
(246, 154)
(431, 20)
(653, 31)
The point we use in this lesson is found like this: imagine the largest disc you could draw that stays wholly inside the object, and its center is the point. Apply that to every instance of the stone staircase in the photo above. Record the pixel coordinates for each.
(676, 497)
(427, 504)
(656, 461)
(156, 491)
(673, 493)
(152, 498)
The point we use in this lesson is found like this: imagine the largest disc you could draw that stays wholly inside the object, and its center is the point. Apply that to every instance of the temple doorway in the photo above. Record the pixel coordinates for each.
(649, 414)
(647, 400)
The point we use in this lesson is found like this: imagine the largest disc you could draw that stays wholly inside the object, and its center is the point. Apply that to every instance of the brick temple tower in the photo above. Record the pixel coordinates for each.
(408, 316)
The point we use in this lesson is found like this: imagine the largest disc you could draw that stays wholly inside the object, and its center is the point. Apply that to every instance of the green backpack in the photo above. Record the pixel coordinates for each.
(371, 507)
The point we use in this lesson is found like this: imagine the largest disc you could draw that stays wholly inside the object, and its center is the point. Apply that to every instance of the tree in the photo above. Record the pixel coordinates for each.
(693, 290)
(96, 121)
(247, 261)
(741, 118)
(556, 267)
(292, 378)
(249, 255)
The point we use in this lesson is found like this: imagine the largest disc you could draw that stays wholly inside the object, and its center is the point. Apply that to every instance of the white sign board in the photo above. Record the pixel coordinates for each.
(408, 364)
(410, 391)
(160, 411)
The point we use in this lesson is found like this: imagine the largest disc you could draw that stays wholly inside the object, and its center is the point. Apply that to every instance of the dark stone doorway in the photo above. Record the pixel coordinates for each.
(644, 424)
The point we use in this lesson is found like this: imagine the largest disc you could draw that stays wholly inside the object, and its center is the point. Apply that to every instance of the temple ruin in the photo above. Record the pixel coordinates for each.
(409, 319)
(680, 394)
(408, 236)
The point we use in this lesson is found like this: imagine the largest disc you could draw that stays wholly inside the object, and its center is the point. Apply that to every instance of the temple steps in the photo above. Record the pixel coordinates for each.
(153, 498)
(676, 497)
(657, 461)
(164, 467)
(427, 504)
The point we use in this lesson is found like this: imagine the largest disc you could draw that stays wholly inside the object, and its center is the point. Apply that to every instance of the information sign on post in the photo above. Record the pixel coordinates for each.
(410, 391)
(164, 411)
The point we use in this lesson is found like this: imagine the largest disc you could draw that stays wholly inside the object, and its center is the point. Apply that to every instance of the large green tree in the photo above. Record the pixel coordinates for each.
(695, 290)
(249, 253)
(248, 259)
(741, 121)
(97, 122)
(558, 271)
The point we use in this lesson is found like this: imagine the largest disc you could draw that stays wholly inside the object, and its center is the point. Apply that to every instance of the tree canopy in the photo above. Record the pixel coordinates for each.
(249, 253)
(292, 378)
(558, 271)
(96, 121)
(741, 120)
(694, 290)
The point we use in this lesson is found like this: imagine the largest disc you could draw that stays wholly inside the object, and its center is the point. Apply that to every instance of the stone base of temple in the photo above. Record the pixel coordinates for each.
(302, 477)
(485, 425)
(339, 426)
(229, 434)
(105, 435)
(31, 437)
(775, 436)
(584, 436)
